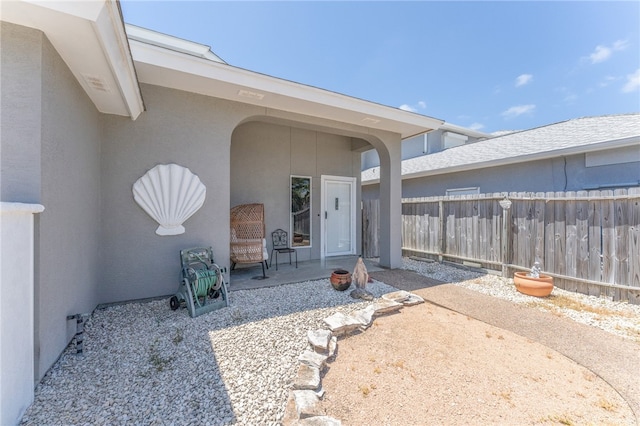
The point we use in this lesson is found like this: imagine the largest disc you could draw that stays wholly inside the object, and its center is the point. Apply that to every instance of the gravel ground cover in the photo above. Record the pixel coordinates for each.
(145, 364)
(620, 318)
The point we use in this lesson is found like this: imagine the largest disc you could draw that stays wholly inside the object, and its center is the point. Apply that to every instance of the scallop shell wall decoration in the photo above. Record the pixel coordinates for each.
(170, 194)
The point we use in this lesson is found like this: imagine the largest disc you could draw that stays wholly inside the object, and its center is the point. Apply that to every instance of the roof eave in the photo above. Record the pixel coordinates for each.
(90, 38)
(170, 68)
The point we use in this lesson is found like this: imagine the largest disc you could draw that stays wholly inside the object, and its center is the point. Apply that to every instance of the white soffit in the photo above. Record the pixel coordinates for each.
(168, 67)
(89, 36)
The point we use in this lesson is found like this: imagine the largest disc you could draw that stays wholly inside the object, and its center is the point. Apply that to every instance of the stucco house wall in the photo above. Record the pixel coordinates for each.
(245, 164)
(51, 157)
(67, 250)
(265, 155)
(21, 58)
(554, 174)
(190, 130)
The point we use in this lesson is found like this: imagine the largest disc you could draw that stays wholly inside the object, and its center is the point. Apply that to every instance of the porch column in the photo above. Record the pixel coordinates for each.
(16, 309)
(390, 248)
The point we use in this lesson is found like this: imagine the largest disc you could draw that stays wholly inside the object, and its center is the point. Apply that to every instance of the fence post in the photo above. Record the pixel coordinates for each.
(441, 238)
(506, 235)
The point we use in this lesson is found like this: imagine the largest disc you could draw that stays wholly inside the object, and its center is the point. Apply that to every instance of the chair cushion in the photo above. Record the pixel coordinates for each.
(265, 253)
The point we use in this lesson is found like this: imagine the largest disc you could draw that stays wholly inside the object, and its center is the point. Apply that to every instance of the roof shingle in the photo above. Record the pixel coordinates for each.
(572, 136)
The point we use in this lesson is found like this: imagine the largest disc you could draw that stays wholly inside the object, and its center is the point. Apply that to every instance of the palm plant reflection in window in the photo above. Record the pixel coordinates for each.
(301, 211)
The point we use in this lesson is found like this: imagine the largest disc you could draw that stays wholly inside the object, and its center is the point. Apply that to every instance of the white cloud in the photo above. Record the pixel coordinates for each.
(620, 44)
(523, 79)
(517, 110)
(607, 80)
(633, 82)
(414, 108)
(407, 108)
(602, 53)
(570, 98)
(476, 126)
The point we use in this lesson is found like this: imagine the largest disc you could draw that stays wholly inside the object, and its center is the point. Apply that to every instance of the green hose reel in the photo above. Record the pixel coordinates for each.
(202, 288)
(203, 283)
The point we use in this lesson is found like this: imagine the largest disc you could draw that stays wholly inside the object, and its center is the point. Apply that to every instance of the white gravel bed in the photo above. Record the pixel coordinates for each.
(620, 318)
(144, 364)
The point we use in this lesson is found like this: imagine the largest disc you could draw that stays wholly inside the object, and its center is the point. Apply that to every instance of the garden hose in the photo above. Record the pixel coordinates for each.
(205, 280)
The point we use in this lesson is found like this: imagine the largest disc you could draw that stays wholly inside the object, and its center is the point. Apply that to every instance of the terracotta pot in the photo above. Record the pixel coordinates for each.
(539, 287)
(340, 279)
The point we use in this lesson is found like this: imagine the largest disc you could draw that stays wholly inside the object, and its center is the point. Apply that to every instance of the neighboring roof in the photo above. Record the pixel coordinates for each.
(574, 136)
(90, 38)
(163, 61)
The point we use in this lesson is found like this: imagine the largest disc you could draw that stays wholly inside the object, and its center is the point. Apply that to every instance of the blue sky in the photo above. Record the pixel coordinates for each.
(489, 66)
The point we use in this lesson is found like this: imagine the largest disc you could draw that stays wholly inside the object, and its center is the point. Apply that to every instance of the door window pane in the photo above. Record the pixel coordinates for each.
(301, 211)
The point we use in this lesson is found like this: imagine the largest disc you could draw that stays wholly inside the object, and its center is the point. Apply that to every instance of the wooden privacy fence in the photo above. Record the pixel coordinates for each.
(589, 241)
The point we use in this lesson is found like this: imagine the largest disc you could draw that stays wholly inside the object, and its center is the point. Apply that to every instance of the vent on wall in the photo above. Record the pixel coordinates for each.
(96, 83)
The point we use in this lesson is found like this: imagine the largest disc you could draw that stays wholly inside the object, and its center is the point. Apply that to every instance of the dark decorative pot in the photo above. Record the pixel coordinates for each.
(539, 287)
(340, 279)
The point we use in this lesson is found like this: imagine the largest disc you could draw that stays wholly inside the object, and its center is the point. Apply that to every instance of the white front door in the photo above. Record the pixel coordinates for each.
(339, 210)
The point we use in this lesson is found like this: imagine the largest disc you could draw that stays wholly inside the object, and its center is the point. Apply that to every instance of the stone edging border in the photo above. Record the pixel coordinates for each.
(307, 387)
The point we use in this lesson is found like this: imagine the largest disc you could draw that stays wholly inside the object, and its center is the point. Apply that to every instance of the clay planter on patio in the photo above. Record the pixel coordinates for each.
(340, 279)
(539, 287)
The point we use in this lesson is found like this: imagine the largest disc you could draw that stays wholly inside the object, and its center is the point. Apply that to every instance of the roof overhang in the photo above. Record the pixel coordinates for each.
(90, 37)
(166, 66)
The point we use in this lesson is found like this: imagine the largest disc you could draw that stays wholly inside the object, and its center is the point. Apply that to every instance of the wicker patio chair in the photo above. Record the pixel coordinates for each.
(248, 243)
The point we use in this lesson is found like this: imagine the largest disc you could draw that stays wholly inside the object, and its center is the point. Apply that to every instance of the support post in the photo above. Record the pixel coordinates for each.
(506, 236)
(441, 239)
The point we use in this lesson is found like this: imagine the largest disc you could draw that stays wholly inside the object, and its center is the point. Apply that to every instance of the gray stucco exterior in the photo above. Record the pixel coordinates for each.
(21, 82)
(189, 130)
(250, 163)
(52, 156)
